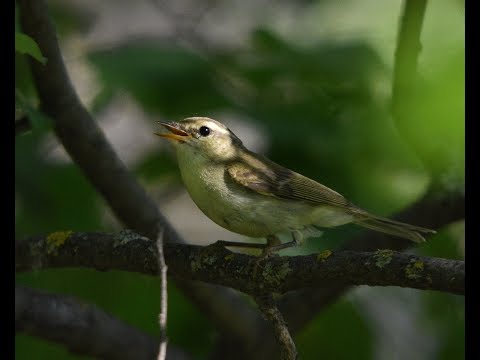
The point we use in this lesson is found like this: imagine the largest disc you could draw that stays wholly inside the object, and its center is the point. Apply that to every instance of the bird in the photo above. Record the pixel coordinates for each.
(251, 195)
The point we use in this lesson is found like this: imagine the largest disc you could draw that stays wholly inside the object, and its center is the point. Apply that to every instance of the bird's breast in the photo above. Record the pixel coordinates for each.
(242, 210)
(233, 207)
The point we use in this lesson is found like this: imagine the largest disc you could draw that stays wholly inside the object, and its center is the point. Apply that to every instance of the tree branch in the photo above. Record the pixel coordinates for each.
(266, 305)
(138, 209)
(217, 265)
(88, 147)
(78, 132)
(406, 53)
(83, 329)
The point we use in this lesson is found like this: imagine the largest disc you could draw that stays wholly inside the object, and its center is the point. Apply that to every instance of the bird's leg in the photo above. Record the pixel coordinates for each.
(273, 244)
(276, 246)
(273, 240)
(226, 243)
(269, 248)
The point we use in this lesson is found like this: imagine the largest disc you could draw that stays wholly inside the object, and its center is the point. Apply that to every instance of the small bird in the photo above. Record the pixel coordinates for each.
(251, 195)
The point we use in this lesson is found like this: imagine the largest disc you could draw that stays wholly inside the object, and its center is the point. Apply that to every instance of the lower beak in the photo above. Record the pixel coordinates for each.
(175, 133)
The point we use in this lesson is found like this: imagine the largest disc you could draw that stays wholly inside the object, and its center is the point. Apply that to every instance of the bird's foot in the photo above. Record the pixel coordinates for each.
(274, 244)
(269, 249)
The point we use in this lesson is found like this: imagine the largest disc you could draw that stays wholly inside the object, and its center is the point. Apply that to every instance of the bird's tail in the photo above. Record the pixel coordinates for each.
(396, 228)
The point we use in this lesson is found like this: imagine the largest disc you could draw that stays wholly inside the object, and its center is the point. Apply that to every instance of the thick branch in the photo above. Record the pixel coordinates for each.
(217, 265)
(78, 132)
(83, 329)
(88, 147)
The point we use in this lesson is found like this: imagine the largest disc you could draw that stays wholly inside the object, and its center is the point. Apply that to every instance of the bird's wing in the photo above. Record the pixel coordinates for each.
(268, 178)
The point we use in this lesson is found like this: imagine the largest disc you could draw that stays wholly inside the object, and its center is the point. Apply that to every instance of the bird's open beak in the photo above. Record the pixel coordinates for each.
(175, 133)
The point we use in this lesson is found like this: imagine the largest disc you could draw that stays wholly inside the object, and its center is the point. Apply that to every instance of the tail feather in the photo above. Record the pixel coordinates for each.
(397, 228)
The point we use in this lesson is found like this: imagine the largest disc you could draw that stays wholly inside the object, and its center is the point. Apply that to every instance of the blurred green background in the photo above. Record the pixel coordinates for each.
(307, 83)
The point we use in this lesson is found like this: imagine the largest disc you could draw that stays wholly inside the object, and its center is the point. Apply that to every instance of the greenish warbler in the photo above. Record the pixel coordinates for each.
(251, 195)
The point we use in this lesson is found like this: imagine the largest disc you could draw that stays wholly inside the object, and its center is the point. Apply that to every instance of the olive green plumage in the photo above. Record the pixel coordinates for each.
(251, 195)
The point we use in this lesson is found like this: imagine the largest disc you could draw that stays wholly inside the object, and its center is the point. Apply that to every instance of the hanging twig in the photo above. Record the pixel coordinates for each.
(162, 352)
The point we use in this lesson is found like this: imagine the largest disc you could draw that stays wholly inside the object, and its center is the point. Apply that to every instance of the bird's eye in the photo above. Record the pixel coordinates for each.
(204, 131)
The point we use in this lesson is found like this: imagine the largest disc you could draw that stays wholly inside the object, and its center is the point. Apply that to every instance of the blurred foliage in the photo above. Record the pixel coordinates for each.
(321, 338)
(445, 315)
(70, 18)
(433, 118)
(326, 115)
(183, 83)
(23, 106)
(24, 44)
(311, 94)
(135, 300)
(41, 185)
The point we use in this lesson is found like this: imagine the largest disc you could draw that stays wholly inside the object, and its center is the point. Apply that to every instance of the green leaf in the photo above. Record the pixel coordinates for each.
(24, 44)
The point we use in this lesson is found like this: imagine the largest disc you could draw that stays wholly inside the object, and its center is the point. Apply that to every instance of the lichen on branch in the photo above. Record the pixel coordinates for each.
(217, 265)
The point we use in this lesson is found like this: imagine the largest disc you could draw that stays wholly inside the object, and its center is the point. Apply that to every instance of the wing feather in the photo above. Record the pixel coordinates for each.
(268, 178)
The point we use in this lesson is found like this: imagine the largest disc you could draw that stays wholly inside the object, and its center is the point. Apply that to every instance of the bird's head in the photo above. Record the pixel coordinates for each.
(204, 136)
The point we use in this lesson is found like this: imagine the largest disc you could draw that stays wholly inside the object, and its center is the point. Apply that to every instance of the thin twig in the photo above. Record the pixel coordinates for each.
(162, 353)
(266, 305)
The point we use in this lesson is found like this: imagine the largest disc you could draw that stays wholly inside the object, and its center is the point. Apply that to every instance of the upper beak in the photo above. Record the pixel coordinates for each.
(176, 133)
